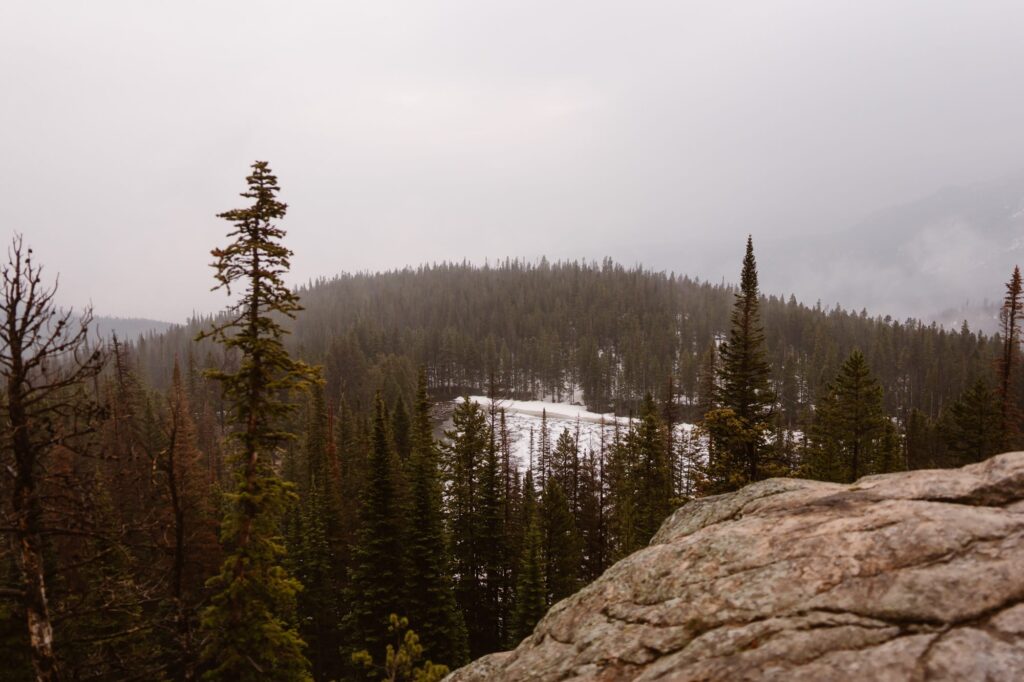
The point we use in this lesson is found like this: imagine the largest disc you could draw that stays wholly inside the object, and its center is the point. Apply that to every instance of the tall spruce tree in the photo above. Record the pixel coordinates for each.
(350, 453)
(401, 431)
(589, 520)
(972, 428)
(623, 503)
(562, 551)
(466, 452)
(564, 459)
(312, 556)
(847, 437)
(920, 446)
(668, 417)
(543, 450)
(248, 628)
(512, 530)
(1009, 360)
(312, 546)
(531, 594)
(707, 381)
(888, 456)
(744, 393)
(431, 600)
(318, 448)
(492, 552)
(653, 474)
(377, 584)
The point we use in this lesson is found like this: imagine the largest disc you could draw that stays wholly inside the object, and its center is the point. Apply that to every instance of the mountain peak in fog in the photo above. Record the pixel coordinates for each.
(943, 257)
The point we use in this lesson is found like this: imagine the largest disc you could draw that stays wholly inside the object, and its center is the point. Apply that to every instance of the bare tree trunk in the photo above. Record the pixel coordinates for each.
(30, 563)
(27, 512)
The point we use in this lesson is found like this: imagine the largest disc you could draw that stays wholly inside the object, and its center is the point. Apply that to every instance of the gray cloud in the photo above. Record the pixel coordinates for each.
(654, 132)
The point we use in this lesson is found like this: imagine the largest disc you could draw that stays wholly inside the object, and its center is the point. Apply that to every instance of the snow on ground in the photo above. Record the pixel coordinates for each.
(536, 408)
(524, 416)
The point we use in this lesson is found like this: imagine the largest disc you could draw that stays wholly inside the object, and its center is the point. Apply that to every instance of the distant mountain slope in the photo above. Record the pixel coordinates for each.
(598, 333)
(944, 257)
(128, 327)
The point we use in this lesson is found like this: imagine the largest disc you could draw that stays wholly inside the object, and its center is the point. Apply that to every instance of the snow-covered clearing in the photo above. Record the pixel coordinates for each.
(524, 417)
(536, 408)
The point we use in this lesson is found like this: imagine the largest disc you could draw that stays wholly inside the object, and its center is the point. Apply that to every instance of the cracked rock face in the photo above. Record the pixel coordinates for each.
(910, 576)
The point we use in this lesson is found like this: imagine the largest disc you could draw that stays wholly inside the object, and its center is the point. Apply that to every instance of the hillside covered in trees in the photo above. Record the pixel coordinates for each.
(264, 494)
(611, 333)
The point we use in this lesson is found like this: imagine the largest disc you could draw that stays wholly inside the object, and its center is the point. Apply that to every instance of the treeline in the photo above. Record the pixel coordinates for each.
(612, 334)
(255, 505)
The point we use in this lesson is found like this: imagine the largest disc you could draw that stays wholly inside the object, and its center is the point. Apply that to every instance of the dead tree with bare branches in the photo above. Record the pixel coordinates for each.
(45, 359)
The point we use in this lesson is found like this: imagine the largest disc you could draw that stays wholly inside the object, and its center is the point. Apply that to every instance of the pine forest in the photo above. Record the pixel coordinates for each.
(298, 489)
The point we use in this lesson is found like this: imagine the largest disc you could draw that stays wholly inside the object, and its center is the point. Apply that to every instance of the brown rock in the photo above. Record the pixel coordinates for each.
(910, 576)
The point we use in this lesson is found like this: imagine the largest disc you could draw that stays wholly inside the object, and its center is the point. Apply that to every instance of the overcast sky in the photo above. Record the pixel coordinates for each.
(405, 132)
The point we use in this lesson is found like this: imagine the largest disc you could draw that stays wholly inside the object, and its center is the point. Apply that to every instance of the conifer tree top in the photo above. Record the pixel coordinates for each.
(257, 248)
(748, 277)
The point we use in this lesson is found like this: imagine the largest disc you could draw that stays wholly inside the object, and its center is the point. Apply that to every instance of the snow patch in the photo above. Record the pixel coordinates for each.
(556, 411)
(523, 417)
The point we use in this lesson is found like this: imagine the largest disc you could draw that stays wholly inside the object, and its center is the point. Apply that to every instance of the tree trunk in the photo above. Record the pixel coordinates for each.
(28, 539)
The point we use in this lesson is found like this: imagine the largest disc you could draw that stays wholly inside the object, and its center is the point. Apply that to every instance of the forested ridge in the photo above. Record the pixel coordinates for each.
(615, 333)
(263, 494)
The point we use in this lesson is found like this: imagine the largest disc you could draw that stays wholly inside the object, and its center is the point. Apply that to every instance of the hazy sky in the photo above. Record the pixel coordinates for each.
(404, 132)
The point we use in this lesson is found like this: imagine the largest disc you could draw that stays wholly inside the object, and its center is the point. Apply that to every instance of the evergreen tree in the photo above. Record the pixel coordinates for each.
(589, 520)
(318, 448)
(544, 449)
(653, 476)
(350, 452)
(691, 454)
(377, 584)
(563, 463)
(668, 417)
(744, 389)
(1009, 359)
(313, 561)
(562, 552)
(887, 457)
(849, 425)
(512, 529)
(973, 430)
(622, 495)
(188, 526)
(531, 594)
(707, 381)
(401, 657)
(248, 631)
(492, 551)
(431, 598)
(789, 394)
(311, 531)
(466, 452)
(401, 429)
(920, 446)
(724, 469)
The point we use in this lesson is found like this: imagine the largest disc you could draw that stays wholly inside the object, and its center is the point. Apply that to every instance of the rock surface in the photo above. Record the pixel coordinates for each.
(910, 576)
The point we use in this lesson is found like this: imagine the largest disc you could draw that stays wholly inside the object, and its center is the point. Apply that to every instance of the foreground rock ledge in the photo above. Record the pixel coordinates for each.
(909, 576)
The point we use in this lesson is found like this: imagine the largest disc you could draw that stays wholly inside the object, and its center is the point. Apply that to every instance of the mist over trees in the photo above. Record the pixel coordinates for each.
(612, 333)
(280, 492)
